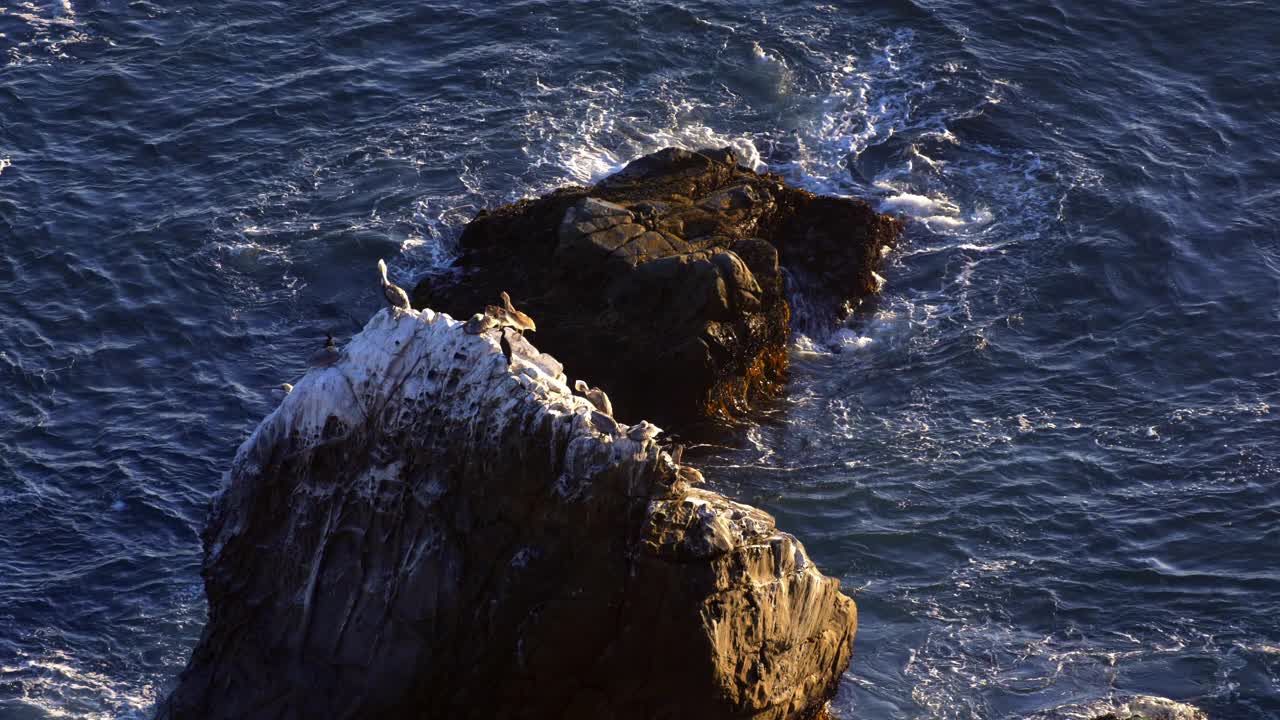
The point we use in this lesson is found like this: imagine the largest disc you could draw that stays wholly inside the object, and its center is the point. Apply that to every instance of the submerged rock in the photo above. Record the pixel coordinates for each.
(422, 531)
(664, 282)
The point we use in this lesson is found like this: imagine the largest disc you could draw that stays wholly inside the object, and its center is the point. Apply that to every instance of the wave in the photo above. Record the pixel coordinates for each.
(59, 687)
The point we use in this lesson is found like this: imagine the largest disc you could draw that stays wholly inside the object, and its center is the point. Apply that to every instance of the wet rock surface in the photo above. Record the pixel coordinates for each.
(665, 281)
(421, 530)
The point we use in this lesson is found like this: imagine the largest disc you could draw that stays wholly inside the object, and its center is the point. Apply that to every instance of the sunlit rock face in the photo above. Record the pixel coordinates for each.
(665, 281)
(423, 531)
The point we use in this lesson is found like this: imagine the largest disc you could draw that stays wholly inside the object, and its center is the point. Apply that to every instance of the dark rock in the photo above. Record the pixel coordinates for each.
(664, 282)
(424, 531)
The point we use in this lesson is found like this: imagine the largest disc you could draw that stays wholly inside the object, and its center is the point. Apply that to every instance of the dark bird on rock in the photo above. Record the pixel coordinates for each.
(595, 396)
(394, 294)
(327, 356)
(506, 346)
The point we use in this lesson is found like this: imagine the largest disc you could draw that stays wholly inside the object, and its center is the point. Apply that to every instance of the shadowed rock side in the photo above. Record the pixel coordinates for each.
(421, 531)
(663, 282)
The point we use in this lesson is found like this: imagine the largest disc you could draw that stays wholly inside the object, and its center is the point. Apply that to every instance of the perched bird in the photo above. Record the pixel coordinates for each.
(524, 321)
(326, 357)
(394, 294)
(508, 316)
(605, 423)
(478, 324)
(595, 396)
(506, 346)
(690, 476)
(644, 430)
(279, 391)
(677, 453)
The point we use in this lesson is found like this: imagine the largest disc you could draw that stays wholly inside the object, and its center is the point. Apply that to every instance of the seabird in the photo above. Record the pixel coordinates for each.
(595, 396)
(507, 315)
(526, 322)
(478, 323)
(644, 430)
(689, 476)
(605, 423)
(393, 293)
(505, 345)
(279, 391)
(327, 356)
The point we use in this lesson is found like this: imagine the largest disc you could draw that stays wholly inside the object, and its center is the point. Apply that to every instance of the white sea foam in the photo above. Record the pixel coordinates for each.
(861, 105)
(805, 344)
(1236, 407)
(846, 338)
(587, 160)
(946, 221)
(919, 205)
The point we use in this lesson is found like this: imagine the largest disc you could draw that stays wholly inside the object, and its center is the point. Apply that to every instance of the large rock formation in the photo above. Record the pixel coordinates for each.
(421, 531)
(663, 281)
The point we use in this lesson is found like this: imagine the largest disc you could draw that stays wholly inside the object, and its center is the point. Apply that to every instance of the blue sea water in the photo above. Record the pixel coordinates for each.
(1045, 461)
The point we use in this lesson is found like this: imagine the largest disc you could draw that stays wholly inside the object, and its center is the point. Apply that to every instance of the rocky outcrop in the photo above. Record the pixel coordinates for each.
(664, 282)
(422, 531)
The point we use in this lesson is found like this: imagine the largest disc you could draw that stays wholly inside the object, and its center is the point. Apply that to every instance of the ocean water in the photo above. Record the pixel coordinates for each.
(1045, 461)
